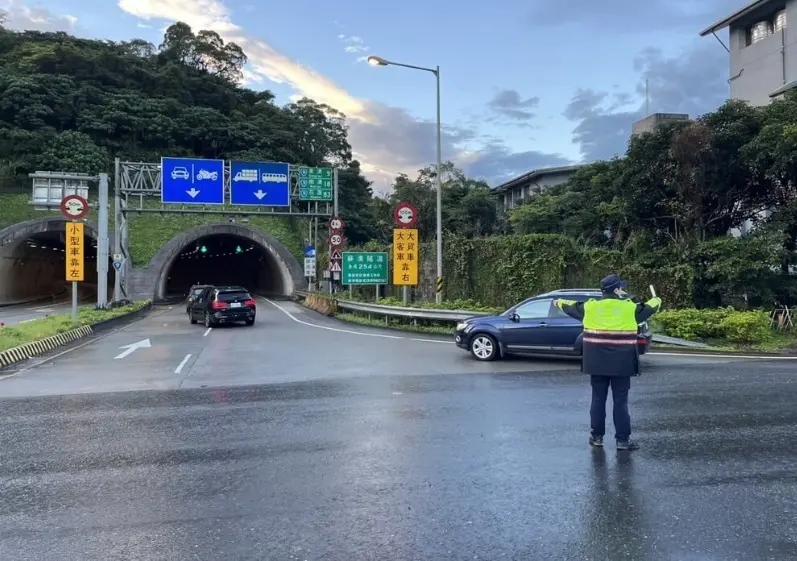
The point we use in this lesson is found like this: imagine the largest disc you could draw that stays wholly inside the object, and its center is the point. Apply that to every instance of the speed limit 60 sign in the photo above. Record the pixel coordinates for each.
(336, 224)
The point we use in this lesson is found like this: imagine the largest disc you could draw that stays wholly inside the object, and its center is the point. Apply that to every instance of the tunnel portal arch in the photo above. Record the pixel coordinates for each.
(25, 276)
(289, 274)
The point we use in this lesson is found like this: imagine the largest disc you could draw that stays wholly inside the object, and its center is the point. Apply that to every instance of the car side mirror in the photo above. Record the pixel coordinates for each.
(515, 317)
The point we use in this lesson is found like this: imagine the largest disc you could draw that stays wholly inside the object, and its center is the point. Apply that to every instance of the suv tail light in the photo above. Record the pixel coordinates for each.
(250, 303)
(218, 305)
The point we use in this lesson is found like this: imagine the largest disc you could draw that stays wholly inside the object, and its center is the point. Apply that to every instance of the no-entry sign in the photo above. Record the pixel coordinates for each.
(405, 215)
(74, 207)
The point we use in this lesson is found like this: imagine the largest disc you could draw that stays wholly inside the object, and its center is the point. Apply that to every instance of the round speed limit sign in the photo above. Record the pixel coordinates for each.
(336, 224)
(336, 240)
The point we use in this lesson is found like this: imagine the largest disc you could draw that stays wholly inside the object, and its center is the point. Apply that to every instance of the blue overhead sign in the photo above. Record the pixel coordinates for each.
(192, 181)
(260, 183)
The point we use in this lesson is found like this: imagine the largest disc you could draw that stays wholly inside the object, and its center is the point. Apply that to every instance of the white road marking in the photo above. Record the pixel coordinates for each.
(182, 364)
(297, 320)
(29, 320)
(207, 332)
(71, 349)
(133, 347)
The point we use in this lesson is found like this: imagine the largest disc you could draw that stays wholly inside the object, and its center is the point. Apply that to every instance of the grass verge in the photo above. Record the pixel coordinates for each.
(17, 335)
(395, 323)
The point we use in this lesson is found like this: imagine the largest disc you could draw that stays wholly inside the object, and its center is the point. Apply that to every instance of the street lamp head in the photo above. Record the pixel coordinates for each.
(377, 61)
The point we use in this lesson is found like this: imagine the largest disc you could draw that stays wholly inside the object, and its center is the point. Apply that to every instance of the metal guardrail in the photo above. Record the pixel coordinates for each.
(453, 316)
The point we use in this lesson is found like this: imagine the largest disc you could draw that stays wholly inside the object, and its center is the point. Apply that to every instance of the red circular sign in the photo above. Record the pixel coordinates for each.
(336, 224)
(405, 215)
(74, 207)
(336, 240)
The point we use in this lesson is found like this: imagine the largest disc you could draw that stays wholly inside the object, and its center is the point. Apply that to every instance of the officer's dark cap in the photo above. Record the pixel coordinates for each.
(610, 283)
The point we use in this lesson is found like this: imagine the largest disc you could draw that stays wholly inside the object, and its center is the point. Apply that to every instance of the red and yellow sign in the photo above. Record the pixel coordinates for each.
(405, 257)
(74, 252)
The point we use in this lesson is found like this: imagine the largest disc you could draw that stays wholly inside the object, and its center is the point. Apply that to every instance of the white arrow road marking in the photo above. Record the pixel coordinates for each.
(193, 192)
(260, 194)
(144, 344)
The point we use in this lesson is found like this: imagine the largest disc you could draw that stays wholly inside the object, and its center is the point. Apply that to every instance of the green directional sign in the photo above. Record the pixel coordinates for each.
(315, 184)
(360, 267)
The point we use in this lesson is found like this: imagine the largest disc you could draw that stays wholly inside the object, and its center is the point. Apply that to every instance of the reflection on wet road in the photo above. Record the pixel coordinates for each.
(489, 465)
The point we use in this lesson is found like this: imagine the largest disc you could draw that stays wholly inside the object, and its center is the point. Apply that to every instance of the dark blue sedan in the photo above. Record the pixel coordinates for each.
(535, 326)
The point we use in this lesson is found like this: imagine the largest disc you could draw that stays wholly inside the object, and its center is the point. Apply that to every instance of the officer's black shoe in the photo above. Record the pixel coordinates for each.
(595, 440)
(627, 445)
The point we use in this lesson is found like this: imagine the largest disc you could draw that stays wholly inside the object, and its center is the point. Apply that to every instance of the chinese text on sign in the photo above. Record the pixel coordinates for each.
(364, 268)
(405, 257)
(74, 252)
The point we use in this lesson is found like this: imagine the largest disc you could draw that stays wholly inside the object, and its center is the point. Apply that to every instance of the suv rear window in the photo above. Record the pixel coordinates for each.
(232, 296)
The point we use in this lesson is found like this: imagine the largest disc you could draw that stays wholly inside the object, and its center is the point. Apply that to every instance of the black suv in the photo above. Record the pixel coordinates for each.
(223, 304)
(193, 294)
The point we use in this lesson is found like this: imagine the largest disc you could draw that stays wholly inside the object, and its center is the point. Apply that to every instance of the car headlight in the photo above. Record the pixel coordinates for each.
(461, 326)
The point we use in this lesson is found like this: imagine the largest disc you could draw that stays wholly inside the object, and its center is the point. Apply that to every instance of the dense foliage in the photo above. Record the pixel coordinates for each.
(71, 104)
(673, 200)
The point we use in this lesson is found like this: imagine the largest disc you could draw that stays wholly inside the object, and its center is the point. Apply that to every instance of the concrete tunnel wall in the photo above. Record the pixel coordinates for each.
(150, 282)
(24, 276)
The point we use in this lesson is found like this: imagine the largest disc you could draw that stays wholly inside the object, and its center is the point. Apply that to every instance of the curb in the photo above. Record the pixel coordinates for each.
(36, 348)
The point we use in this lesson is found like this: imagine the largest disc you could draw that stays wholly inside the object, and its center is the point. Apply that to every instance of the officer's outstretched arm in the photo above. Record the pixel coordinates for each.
(646, 310)
(572, 308)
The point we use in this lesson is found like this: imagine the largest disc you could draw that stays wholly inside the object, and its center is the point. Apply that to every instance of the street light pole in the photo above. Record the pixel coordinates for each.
(439, 279)
(379, 61)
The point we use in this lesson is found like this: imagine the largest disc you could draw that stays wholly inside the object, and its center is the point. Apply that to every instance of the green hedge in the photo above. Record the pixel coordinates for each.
(742, 327)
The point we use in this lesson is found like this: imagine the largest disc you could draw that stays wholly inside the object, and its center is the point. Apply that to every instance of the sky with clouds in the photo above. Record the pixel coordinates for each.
(524, 84)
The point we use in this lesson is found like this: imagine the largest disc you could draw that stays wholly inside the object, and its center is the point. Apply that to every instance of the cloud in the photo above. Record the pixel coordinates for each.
(628, 16)
(387, 140)
(20, 16)
(694, 82)
(509, 104)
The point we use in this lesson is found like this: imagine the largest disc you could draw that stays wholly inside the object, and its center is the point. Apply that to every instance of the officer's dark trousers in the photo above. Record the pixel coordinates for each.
(597, 412)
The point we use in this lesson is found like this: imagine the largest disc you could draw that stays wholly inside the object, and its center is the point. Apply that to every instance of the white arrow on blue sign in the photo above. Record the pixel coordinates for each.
(309, 251)
(260, 183)
(192, 181)
(117, 265)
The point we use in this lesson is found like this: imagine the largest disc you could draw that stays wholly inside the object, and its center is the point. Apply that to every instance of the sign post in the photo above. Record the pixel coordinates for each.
(405, 249)
(335, 242)
(75, 208)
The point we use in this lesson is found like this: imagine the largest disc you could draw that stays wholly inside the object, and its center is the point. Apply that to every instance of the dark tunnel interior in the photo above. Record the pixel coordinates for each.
(224, 259)
(34, 269)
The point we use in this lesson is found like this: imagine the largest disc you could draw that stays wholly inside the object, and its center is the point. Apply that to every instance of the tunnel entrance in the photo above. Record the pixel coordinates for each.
(228, 258)
(33, 263)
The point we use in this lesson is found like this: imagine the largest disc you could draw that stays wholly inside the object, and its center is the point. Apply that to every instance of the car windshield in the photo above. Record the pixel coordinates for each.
(197, 291)
(233, 296)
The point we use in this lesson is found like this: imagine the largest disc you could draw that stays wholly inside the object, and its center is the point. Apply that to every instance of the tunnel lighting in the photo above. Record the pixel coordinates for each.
(203, 249)
(238, 249)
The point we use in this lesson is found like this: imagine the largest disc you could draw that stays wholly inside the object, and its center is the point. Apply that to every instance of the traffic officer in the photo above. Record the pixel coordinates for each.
(610, 353)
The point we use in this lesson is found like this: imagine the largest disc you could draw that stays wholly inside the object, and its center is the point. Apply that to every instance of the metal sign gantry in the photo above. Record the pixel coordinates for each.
(216, 187)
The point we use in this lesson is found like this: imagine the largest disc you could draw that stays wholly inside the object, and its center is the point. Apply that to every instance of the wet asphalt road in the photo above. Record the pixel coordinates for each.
(315, 440)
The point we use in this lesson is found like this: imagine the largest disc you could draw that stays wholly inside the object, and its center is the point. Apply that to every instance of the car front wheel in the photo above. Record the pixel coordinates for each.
(484, 347)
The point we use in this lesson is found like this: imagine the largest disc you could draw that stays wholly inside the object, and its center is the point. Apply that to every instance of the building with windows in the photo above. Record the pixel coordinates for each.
(649, 123)
(521, 188)
(763, 56)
